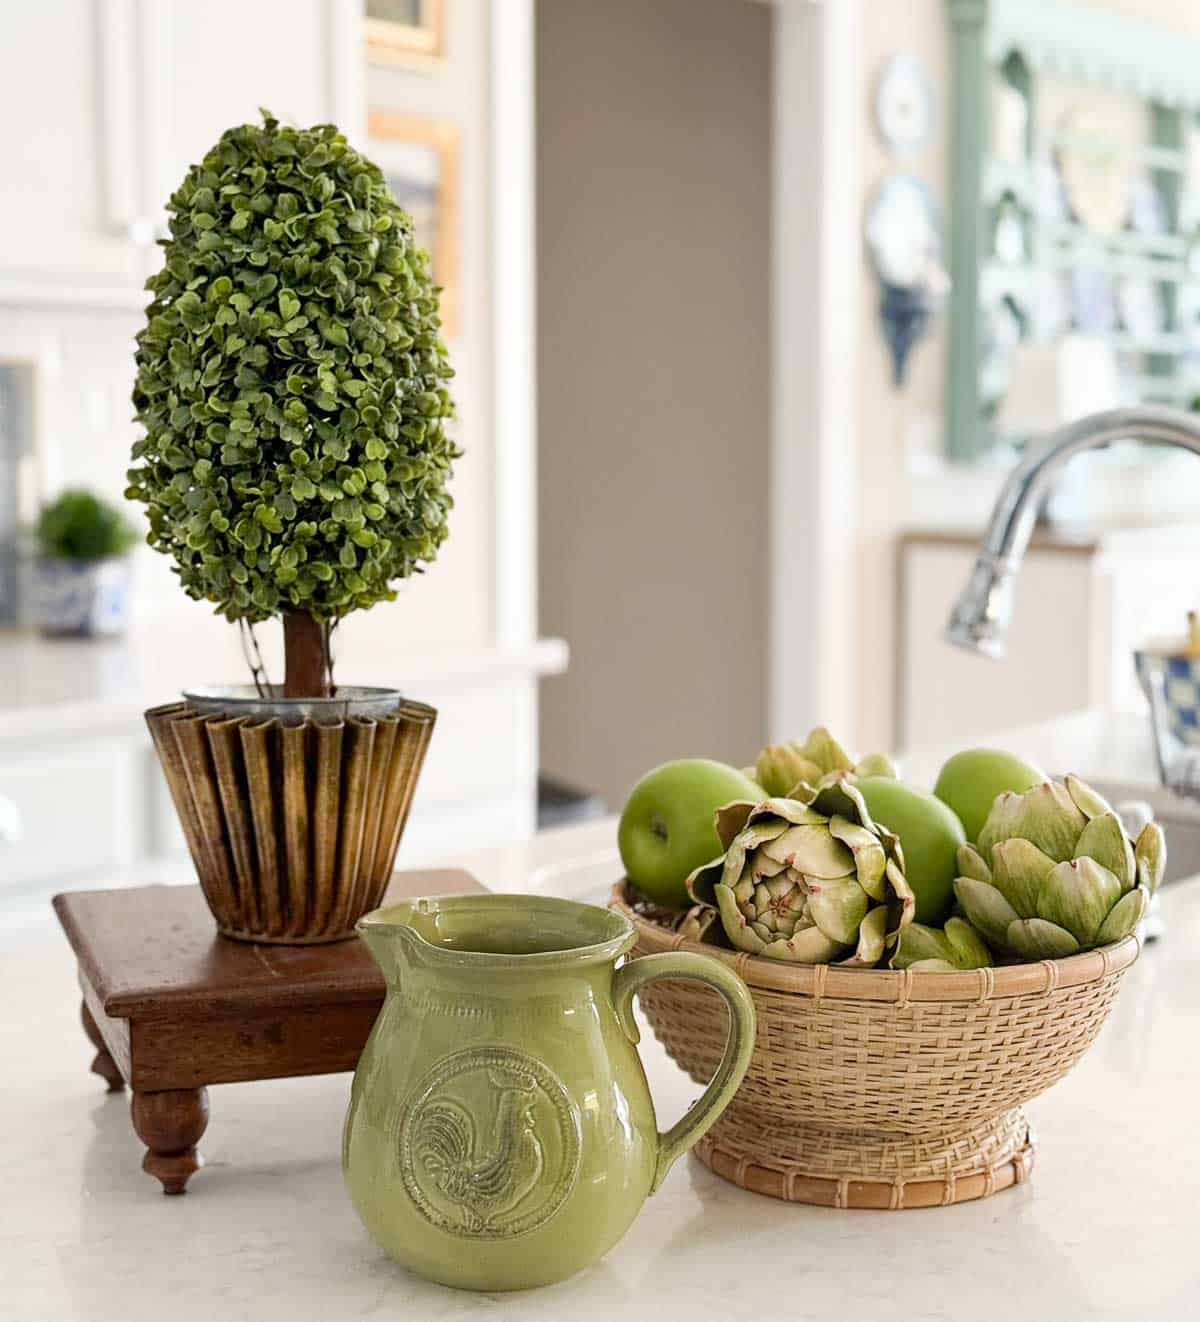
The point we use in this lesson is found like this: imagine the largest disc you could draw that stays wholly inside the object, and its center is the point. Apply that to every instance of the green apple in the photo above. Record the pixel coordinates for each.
(971, 780)
(666, 830)
(930, 834)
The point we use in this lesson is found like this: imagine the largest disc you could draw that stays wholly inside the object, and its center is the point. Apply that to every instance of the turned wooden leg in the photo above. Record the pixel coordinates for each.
(170, 1124)
(103, 1065)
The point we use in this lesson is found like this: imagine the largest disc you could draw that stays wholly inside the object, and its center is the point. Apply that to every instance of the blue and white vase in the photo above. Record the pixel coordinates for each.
(1181, 684)
(82, 598)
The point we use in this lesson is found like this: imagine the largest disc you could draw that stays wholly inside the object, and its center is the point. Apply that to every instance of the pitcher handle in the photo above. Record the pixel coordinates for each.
(739, 1044)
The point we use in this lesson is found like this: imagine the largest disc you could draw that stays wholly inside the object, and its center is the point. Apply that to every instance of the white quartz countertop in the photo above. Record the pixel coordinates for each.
(67, 684)
(1105, 1228)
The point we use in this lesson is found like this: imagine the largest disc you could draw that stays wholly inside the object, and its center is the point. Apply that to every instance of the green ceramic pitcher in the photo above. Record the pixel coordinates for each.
(500, 1132)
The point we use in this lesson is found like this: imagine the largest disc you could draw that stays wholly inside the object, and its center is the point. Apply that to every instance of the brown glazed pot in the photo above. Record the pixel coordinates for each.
(292, 809)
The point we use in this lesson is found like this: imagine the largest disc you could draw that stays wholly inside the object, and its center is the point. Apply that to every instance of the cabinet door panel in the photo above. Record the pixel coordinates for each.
(228, 58)
(79, 810)
(56, 222)
(1055, 662)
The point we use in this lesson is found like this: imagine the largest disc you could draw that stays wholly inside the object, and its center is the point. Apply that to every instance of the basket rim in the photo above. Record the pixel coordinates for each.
(897, 986)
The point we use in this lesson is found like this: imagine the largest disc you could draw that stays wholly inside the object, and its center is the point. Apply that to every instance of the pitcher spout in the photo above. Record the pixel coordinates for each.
(491, 934)
(394, 944)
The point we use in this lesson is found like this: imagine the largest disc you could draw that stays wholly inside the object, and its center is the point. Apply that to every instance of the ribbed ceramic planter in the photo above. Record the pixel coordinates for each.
(292, 809)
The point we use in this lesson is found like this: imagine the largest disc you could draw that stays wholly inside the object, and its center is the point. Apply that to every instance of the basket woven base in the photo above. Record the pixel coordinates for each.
(833, 1168)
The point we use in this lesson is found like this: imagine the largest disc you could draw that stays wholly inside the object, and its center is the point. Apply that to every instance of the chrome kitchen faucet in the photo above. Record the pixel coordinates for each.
(980, 618)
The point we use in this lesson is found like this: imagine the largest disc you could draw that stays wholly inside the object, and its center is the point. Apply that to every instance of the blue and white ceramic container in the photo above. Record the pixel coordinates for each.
(1170, 678)
(82, 598)
(1181, 685)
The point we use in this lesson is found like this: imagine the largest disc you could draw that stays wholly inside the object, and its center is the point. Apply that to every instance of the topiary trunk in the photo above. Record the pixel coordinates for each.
(305, 656)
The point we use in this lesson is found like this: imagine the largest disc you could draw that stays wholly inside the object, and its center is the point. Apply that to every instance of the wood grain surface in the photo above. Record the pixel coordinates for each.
(171, 1006)
(155, 950)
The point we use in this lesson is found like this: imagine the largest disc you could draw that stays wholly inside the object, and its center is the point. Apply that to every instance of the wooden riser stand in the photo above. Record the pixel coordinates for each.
(171, 1006)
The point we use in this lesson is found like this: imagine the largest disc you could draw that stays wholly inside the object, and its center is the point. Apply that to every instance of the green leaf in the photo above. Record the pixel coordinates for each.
(268, 516)
(291, 317)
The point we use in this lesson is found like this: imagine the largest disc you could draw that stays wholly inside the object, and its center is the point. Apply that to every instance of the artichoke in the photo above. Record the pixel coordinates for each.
(782, 768)
(1053, 872)
(941, 950)
(810, 883)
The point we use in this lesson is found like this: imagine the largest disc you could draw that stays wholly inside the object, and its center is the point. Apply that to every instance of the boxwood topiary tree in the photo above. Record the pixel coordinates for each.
(291, 383)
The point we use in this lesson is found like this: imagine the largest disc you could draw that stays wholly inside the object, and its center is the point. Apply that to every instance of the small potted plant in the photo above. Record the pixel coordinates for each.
(291, 381)
(82, 573)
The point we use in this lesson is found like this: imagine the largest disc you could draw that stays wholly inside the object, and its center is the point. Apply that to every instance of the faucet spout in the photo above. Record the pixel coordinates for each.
(980, 617)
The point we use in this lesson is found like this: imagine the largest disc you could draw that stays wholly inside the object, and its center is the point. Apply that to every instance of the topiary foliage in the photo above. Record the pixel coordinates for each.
(290, 378)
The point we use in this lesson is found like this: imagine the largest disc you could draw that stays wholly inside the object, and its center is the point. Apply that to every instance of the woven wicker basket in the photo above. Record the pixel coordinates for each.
(878, 1088)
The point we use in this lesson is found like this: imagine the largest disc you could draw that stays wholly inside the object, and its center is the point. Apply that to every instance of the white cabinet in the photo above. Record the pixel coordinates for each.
(1082, 606)
(60, 216)
(81, 807)
(109, 101)
(300, 59)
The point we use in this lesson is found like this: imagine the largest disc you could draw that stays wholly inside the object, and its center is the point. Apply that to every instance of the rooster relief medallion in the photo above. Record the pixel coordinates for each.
(489, 1144)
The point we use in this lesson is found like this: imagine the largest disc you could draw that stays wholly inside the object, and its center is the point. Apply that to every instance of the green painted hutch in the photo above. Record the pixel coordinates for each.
(1031, 45)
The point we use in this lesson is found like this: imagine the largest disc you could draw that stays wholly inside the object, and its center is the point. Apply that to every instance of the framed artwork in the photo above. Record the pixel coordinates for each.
(419, 159)
(410, 32)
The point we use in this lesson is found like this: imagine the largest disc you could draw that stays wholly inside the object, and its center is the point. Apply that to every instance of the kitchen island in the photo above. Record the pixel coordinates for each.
(1104, 1229)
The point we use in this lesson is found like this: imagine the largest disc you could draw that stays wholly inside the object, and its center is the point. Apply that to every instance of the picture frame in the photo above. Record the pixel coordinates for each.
(419, 159)
(410, 33)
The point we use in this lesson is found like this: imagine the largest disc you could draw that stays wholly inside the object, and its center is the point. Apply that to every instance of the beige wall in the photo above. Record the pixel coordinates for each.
(653, 249)
(898, 487)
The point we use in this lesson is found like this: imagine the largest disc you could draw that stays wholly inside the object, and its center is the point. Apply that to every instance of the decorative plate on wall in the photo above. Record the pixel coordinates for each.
(904, 105)
(1097, 167)
(904, 232)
